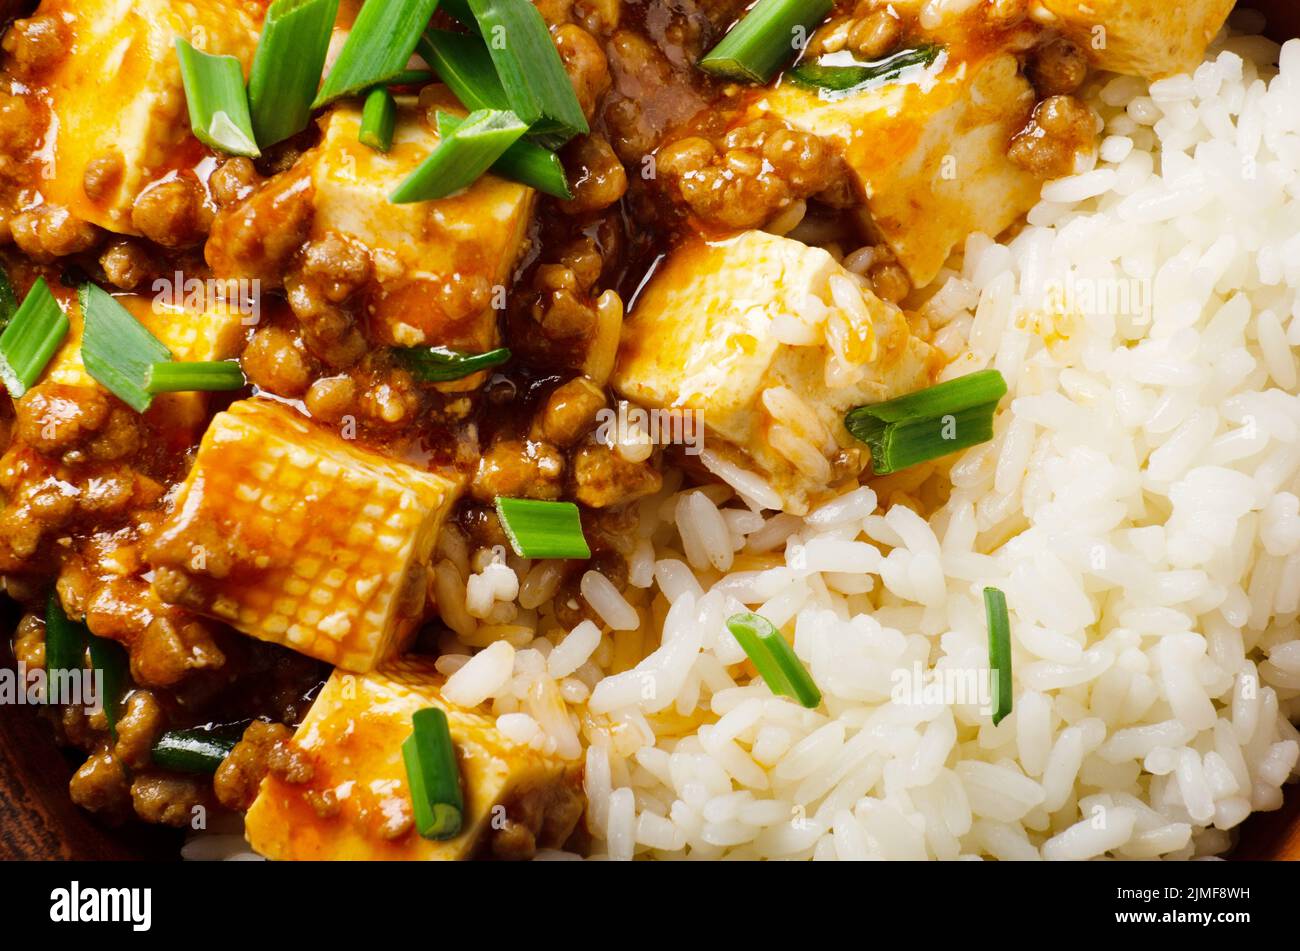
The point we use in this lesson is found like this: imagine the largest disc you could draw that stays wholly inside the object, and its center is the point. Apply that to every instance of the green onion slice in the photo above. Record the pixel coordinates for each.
(33, 336)
(440, 365)
(767, 36)
(539, 529)
(412, 77)
(433, 775)
(196, 377)
(524, 162)
(464, 64)
(8, 300)
(110, 661)
(459, 11)
(65, 642)
(825, 74)
(192, 751)
(287, 66)
(995, 609)
(462, 157)
(117, 349)
(930, 423)
(380, 45)
(378, 119)
(537, 88)
(781, 670)
(218, 104)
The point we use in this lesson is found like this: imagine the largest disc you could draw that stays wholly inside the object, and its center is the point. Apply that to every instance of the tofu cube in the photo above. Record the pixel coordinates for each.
(117, 95)
(353, 738)
(769, 341)
(1149, 38)
(928, 152)
(292, 534)
(216, 333)
(439, 266)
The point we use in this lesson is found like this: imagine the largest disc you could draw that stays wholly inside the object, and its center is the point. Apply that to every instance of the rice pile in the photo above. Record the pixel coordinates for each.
(1139, 507)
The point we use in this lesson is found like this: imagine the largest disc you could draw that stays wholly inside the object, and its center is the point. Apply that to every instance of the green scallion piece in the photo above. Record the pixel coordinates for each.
(412, 77)
(462, 157)
(767, 36)
(380, 45)
(111, 663)
(117, 349)
(440, 365)
(539, 529)
(537, 88)
(462, 62)
(848, 78)
(65, 644)
(781, 670)
(288, 65)
(459, 11)
(378, 119)
(192, 751)
(8, 300)
(433, 775)
(34, 335)
(930, 423)
(197, 377)
(524, 162)
(218, 104)
(995, 609)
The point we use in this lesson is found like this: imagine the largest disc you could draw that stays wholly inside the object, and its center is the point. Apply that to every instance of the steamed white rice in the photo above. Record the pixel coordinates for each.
(1139, 506)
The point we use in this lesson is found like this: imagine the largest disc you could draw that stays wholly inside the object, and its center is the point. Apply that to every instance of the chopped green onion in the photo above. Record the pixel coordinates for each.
(33, 336)
(853, 77)
(117, 349)
(524, 162)
(439, 365)
(537, 88)
(110, 661)
(197, 377)
(192, 751)
(930, 423)
(433, 775)
(65, 642)
(901, 445)
(464, 64)
(381, 42)
(767, 36)
(8, 301)
(412, 77)
(995, 609)
(218, 104)
(378, 119)
(459, 11)
(287, 67)
(781, 670)
(543, 529)
(462, 157)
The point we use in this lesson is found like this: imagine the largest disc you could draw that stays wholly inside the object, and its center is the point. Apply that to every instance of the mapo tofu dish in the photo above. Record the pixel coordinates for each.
(443, 429)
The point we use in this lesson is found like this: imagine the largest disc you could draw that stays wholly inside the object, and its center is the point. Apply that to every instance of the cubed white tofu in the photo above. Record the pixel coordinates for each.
(292, 534)
(1150, 38)
(770, 341)
(353, 738)
(929, 151)
(116, 95)
(439, 266)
